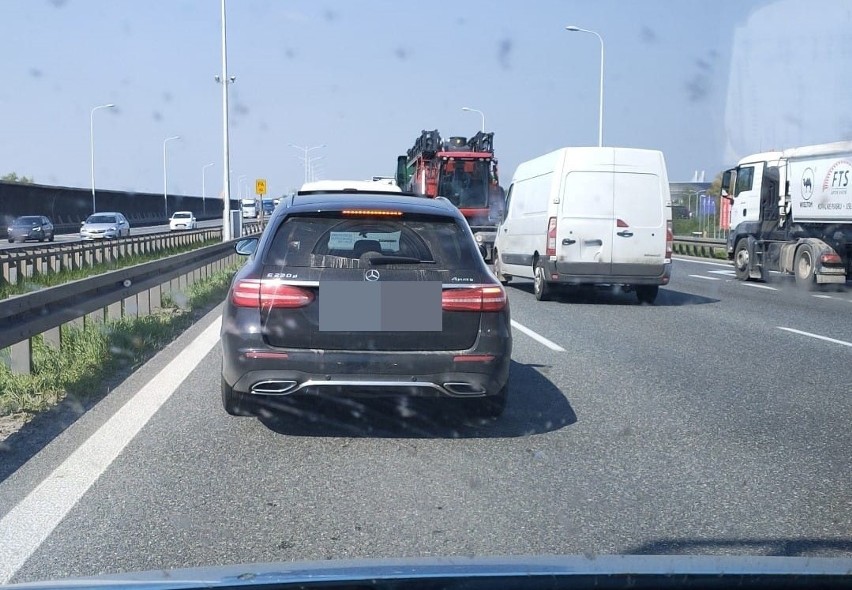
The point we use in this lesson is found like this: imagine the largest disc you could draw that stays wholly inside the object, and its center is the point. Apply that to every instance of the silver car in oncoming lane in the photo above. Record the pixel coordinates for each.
(107, 225)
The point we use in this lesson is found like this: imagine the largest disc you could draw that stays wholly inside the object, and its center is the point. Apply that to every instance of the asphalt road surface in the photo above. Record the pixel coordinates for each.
(716, 422)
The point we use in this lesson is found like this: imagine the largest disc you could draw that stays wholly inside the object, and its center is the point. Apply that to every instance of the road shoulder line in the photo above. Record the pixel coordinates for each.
(25, 527)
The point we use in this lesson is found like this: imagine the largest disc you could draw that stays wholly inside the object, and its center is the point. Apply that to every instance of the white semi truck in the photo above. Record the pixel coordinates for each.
(248, 208)
(791, 211)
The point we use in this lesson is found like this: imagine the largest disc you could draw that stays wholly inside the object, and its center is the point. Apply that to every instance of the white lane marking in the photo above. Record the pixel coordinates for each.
(817, 336)
(728, 264)
(756, 286)
(536, 336)
(705, 278)
(25, 527)
(823, 296)
(727, 273)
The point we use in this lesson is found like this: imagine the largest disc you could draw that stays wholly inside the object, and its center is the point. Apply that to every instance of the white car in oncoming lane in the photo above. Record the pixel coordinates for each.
(182, 220)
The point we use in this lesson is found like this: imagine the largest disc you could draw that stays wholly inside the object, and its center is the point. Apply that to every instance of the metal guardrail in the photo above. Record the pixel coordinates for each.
(135, 290)
(703, 247)
(28, 261)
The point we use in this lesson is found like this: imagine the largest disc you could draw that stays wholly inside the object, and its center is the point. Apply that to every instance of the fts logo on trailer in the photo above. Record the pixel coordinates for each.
(836, 180)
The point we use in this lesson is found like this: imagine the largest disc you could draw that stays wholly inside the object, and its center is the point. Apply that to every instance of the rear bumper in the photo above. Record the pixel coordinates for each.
(831, 275)
(658, 275)
(360, 374)
(250, 366)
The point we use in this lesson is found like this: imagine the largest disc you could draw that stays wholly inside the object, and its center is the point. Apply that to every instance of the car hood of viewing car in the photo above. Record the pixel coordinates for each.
(488, 573)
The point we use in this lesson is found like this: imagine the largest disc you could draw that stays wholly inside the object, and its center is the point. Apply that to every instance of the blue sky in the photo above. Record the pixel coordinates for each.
(365, 77)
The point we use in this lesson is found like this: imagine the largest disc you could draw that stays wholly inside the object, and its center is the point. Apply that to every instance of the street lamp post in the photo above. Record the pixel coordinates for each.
(481, 114)
(92, 145)
(600, 108)
(240, 194)
(225, 80)
(166, 175)
(204, 188)
(311, 169)
(305, 159)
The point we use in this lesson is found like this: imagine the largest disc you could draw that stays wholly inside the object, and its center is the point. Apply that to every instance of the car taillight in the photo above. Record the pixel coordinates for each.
(269, 294)
(474, 298)
(830, 258)
(551, 237)
(669, 240)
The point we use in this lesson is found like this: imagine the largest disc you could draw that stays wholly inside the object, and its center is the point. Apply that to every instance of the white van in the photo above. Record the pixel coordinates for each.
(588, 215)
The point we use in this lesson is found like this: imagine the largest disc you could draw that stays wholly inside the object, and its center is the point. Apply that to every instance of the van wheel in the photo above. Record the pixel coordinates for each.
(541, 288)
(803, 267)
(498, 270)
(647, 293)
(741, 260)
(234, 402)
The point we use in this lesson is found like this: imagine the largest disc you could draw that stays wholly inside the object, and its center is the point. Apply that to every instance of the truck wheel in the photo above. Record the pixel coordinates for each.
(498, 270)
(234, 402)
(647, 293)
(803, 267)
(741, 260)
(541, 288)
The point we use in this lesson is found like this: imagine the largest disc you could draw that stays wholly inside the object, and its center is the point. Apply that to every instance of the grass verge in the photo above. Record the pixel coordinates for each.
(91, 355)
(41, 281)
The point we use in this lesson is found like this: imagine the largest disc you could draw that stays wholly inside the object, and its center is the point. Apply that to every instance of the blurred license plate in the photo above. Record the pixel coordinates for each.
(380, 306)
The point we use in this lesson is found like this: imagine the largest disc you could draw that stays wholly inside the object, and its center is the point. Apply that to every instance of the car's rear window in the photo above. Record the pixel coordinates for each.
(182, 215)
(337, 242)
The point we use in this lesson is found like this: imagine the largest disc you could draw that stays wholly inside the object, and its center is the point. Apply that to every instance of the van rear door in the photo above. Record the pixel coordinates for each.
(639, 232)
(584, 229)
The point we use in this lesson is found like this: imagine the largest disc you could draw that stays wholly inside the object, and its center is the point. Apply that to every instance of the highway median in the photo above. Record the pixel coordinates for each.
(94, 355)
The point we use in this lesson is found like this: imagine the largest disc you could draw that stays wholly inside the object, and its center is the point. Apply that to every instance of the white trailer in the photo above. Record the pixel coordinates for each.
(792, 212)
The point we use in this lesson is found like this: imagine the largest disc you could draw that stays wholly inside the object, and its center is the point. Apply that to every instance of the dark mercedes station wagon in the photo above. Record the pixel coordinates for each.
(365, 294)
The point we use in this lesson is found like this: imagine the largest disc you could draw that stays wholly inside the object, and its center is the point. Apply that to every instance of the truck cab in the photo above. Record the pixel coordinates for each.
(248, 208)
(790, 213)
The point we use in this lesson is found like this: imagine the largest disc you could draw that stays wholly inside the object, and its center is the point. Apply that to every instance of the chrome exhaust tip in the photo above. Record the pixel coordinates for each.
(273, 387)
(462, 389)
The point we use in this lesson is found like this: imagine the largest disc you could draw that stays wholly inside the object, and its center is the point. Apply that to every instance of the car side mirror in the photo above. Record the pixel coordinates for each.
(246, 247)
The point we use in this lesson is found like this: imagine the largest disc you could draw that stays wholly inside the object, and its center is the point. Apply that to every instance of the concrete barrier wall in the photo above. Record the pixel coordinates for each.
(68, 207)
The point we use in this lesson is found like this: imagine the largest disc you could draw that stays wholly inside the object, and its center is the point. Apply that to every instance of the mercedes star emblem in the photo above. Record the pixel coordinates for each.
(372, 275)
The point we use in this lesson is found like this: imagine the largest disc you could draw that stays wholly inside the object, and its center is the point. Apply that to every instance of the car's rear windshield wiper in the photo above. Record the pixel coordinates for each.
(398, 260)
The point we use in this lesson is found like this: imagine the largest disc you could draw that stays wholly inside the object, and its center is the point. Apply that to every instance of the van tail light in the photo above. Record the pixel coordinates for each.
(551, 237)
(830, 258)
(669, 240)
(474, 298)
(269, 294)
